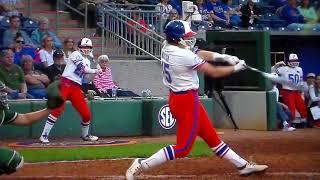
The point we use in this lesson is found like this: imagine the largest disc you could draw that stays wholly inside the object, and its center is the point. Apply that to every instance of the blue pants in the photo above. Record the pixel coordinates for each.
(38, 93)
(282, 114)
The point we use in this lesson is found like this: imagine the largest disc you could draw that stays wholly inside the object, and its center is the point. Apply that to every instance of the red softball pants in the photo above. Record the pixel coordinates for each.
(72, 91)
(294, 101)
(192, 120)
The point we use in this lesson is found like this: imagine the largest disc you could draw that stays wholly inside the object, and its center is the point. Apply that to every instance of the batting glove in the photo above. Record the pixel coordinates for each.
(233, 60)
(240, 66)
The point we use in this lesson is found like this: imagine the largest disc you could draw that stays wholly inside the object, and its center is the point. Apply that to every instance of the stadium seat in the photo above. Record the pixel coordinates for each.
(278, 23)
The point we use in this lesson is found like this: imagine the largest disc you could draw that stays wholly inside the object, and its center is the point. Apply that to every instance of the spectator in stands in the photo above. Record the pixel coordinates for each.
(46, 52)
(314, 92)
(55, 71)
(233, 12)
(11, 7)
(43, 30)
(21, 49)
(12, 76)
(177, 4)
(291, 15)
(204, 10)
(103, 81)
(68, 47)
(219, 14)
(308, 12)
(36, 81)
(173, 14)
(9, 34)
(137, 18)
(249, 14)
(311, 77)
(135, 36)
(164, 8)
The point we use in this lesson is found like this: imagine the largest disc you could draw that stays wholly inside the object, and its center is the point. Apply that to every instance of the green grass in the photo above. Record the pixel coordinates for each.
(134, 150)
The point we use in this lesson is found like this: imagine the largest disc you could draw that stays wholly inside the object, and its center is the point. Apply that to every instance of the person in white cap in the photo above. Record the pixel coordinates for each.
(291, 96)
(77, 66)
(310, 79)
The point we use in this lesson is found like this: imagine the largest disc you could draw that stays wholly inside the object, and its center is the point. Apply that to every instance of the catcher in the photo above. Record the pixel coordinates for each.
(11, 160)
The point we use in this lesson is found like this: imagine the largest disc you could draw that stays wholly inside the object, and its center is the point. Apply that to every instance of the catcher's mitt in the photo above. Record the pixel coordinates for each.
(55, 99)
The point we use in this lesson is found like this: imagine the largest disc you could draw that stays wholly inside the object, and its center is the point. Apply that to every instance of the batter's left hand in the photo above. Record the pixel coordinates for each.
(233, 60)
(240, 66)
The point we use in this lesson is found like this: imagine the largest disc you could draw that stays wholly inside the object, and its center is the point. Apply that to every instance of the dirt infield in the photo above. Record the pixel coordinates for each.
(290, 155)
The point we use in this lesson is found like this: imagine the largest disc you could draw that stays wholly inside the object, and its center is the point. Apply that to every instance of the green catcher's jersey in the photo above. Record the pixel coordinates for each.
(7, 116)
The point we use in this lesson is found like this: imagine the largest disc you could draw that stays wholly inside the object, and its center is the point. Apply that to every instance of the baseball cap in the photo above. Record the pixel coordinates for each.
(311, 75)
(58, 53)
(293, 57)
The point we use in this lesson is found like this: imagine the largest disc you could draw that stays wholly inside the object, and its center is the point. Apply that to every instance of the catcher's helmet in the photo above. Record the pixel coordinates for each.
(179, 31)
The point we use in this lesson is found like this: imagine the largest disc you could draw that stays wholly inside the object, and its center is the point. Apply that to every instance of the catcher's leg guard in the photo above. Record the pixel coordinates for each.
(10, 161)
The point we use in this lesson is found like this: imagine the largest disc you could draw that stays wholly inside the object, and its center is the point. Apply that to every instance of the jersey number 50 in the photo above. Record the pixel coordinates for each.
(294, 78)
(166, 72)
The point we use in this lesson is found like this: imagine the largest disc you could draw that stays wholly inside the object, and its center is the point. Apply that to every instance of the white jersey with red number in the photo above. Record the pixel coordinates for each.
(179, 68)
(294, 75)
(75, 67)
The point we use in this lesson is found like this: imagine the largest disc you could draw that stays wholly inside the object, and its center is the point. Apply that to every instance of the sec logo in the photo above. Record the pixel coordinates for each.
(165, 117)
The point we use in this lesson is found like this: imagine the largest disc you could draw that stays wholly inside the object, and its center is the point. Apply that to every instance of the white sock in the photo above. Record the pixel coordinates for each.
(48, 126)
(163, 155)
(85, 129)
(224, 151)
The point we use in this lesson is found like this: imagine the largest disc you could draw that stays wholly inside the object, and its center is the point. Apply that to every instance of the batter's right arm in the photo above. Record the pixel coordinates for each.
(220, 71)
(217, 57)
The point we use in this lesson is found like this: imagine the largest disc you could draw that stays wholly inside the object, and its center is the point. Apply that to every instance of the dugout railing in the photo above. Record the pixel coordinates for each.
(133, 39)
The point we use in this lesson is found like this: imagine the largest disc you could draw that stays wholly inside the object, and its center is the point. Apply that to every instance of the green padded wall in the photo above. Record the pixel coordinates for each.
(109, 118)
(117, 117)
(254, 48)
(9, 131)
(151, 108)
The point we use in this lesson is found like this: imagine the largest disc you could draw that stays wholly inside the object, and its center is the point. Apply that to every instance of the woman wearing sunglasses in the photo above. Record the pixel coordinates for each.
(20, 49)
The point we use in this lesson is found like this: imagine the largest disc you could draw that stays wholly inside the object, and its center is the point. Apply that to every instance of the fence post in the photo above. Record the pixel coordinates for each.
(85, 18)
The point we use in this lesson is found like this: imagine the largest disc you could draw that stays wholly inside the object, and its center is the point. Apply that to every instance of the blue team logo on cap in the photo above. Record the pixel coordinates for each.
(165, 117)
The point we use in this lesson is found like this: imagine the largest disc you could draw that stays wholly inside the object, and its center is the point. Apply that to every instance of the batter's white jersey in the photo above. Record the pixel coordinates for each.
(294, 75)
(76, 67)
(179, 66)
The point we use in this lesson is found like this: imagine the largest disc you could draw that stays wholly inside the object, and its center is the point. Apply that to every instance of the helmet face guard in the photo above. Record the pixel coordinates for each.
(85, 50)
(294, 63)
(181, 33)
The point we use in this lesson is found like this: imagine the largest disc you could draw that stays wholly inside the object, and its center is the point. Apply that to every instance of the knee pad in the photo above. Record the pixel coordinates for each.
(10, 161)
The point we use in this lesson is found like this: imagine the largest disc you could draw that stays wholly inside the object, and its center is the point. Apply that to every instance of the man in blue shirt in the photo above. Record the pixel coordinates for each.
(219, 13)
(290, 13)
(204, 10)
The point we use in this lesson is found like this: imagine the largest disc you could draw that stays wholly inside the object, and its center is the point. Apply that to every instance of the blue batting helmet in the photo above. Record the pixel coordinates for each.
(176, 30)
